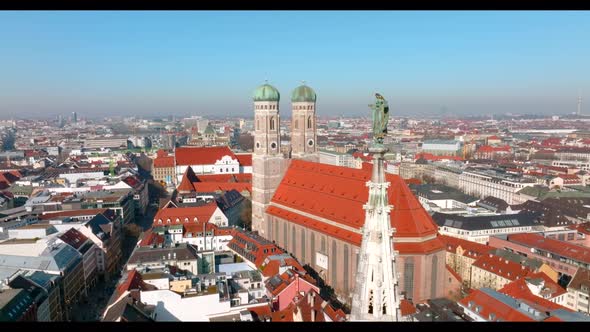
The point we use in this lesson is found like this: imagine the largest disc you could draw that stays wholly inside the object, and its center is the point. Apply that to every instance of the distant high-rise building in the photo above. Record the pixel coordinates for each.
(74, 117)
(579, 104)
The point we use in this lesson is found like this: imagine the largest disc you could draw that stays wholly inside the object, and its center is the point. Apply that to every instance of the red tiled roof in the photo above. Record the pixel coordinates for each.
(494, 137)
(502, 267)
(489, 305)
(487, 148)
(245, 159)
(74, 238)
(471, 249)
(566, 249)
(339, 193)
(150, 238)
(240, 177)
(260, 312)
(406, 308)
(271, 267)
(518, 289)
(424, 247)
(186, 184)
(133, 281)
(201, 155)
(164, 161)
(582, 228)
(202, 213)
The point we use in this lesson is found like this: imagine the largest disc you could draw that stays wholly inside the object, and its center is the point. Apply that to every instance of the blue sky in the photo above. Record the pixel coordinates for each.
(209, 62)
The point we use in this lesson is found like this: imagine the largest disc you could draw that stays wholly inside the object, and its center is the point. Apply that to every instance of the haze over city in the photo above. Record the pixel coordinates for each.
(209, 63)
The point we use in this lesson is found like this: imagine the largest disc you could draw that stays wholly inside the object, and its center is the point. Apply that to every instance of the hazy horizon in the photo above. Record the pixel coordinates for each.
(150, 63)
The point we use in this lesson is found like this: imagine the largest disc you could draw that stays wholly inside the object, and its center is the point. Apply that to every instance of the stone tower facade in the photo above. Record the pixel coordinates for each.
(268, 163)
(303, 124)
(376, 295)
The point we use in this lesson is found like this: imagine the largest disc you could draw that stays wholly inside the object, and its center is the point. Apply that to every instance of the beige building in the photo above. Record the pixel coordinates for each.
(578, 292)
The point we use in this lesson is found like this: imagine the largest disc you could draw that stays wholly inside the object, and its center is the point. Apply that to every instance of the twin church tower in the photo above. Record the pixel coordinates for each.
(269, 162)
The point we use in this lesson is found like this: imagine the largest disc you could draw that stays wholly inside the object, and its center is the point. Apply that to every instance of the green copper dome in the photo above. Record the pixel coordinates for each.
(303, 94)
(266, 92)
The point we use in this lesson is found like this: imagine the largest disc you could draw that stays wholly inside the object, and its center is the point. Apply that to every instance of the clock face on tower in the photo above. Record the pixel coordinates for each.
(273, 145)
(310, 142)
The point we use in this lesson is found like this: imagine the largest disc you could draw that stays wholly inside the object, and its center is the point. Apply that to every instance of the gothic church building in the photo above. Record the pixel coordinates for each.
(315, 211)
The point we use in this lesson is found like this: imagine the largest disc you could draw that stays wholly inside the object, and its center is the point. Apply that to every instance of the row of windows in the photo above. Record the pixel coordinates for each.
(266, 107)
(302, 107)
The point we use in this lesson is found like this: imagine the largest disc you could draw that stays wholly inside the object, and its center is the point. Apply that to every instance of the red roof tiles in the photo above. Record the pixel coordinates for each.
(164, 161)
(518, 289)
(181, 215)
(471, 249)
(566, 249)
(502, 267)
(406, 308)
(245, 159)
(339, 193)
(489, 305)
(74, 238)
(201, 155)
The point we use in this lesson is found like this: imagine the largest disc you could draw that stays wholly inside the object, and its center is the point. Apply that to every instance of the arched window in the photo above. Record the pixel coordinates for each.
(324, 245)
(303, 244)
(409, 277)
(345, 266)
(433, 274)
(296, 124)
(257, 124)
(309, 122)
(334, 259)
(268, 227)
(272, 123)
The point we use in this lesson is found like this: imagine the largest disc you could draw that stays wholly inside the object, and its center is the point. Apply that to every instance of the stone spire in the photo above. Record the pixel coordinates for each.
(376, 296)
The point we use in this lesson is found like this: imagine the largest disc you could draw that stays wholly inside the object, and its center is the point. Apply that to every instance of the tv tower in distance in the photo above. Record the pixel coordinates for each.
(579, 103)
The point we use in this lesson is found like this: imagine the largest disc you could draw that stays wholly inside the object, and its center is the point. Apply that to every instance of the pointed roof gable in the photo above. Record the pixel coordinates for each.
(186, 184)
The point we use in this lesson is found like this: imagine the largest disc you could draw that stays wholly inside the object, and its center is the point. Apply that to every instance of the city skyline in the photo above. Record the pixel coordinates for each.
(209, 63)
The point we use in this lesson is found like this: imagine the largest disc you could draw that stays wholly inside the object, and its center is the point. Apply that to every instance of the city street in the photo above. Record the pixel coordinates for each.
(92, 308)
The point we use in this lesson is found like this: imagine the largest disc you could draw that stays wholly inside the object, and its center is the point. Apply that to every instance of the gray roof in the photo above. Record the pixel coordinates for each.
(472, 223)
(439, 192)
(147, 254)
(535, 264)
(569, 316)
(55, 259)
